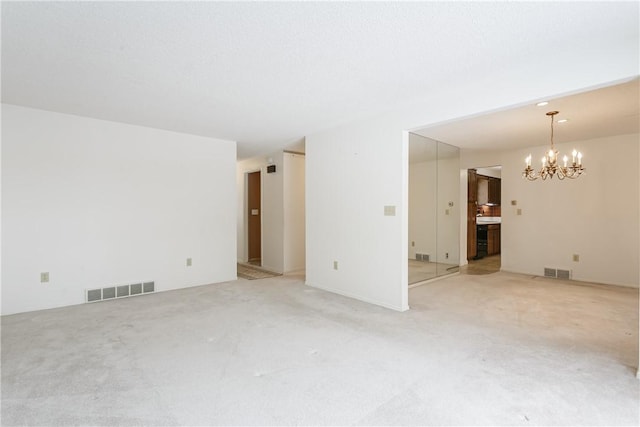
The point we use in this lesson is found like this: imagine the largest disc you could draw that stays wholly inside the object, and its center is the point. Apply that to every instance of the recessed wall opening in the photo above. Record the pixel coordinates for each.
(484, 220)
(271, 213)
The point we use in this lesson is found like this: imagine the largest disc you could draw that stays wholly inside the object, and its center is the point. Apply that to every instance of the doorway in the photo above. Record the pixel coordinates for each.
(254, 224)
(484, 219)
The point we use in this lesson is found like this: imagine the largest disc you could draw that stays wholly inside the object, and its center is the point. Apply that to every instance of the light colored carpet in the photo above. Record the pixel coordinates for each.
(487, 265)
(497, 349)
(251, 272)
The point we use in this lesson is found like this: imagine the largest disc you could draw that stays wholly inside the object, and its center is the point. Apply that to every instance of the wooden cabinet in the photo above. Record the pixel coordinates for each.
(493, 239)
(472, 186)
(472, 205)
(494, 191)
(472, 244)
(488, 190)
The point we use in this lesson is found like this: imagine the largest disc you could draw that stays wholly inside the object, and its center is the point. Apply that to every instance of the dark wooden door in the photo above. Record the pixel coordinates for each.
(255, 214)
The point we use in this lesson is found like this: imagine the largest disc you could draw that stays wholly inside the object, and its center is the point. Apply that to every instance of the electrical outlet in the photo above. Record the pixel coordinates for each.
(446, 255)
(576, 258)
(514, 203)
(189, 262)
(519, 212)
(44, 277)
(413, 243)
(335, 265)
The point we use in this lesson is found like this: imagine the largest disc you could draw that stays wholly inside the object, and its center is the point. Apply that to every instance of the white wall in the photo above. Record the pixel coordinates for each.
(273, 216)
(283, 212)
(98, 203)
(494, 172)
(352, 173)
(355, 169)
(595, 216)
(294, 211)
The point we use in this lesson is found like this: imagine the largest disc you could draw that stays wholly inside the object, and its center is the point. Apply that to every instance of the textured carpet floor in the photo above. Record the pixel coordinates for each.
(497, 349)
(486, 265)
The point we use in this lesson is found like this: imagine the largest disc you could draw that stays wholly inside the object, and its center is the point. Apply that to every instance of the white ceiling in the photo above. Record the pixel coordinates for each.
(267, 74)
(608, 111)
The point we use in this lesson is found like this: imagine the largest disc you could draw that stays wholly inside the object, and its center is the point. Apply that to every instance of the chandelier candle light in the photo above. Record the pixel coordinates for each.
(550, 165)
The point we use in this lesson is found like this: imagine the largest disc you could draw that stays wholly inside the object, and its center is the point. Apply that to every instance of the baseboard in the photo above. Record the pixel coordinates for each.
(359, 298)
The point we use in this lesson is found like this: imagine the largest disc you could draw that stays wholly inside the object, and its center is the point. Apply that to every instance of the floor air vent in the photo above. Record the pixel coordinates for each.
(557, 273)
(111, 292)
(422, 257)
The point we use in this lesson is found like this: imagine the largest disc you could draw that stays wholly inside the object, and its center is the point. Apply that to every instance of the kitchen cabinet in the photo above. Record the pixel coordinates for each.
(472, 206)
(471, 231)
(493, 239)
(472, 186)
(488, 190)
(494, 191)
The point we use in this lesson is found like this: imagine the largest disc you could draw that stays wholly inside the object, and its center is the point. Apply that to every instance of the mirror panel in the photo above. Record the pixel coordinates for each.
(434, 178)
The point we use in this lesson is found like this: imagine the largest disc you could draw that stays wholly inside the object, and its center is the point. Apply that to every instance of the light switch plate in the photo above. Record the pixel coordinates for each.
(390, 210)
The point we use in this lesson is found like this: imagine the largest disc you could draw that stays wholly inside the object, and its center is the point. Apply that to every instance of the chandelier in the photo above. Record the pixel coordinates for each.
(550, 166)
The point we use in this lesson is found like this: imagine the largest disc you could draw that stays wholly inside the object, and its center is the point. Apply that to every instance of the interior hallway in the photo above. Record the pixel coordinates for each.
(474, 349)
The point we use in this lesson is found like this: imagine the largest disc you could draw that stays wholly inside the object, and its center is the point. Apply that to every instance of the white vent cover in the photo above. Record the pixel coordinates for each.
(557, 273)
(122, 291)
(422, 257)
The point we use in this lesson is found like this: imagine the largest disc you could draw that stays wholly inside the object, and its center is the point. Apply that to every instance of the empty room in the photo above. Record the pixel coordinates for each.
(289, 213)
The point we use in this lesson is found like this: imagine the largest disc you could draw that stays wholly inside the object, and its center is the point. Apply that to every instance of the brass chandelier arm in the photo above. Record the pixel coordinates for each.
(550, 163)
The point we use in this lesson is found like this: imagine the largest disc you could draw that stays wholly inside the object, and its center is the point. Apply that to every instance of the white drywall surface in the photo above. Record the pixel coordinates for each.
(97, 203)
